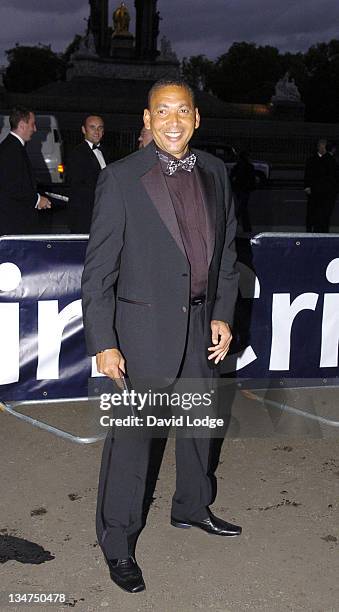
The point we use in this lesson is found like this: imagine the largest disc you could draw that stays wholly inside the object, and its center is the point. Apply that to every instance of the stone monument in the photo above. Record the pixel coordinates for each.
(166, 51)
(114, 52)
(122, 43)
(97, 23)
(146, 29)
(87, 46)
(286, 102)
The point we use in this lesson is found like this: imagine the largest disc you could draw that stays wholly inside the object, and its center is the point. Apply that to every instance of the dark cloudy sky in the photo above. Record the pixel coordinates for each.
(194, 26)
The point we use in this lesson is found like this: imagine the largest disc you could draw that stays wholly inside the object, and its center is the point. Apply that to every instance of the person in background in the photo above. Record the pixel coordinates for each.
(243, 183)
(19, 200)
(321, 188)
(331, 148)
(85, 164)
(145, 137)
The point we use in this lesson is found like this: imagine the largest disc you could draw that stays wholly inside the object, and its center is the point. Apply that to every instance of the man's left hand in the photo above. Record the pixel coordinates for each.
(221, 340)
(44, 203)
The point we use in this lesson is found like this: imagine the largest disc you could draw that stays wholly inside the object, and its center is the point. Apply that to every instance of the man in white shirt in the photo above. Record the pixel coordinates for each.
(85, 164)
(18, 192)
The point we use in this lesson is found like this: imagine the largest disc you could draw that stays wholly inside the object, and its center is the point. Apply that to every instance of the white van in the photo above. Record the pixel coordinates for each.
(44, 149)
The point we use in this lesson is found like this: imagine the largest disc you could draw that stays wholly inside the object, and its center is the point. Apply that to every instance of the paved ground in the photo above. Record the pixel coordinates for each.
(281, 488)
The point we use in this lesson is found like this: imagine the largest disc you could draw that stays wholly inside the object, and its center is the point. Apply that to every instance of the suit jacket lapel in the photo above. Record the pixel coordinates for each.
(88, 151)
(29, 168)
(209, 198)
(155, 185)
(22, 151)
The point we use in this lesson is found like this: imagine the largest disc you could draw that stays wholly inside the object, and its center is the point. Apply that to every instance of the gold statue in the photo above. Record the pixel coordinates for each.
(121, 19)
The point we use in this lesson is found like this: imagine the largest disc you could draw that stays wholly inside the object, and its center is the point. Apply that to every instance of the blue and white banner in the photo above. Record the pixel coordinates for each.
(42, 345)
(287, 320)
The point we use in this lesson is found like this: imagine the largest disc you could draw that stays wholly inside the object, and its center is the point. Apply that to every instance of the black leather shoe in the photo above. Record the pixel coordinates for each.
(211, 524)
(126, 574)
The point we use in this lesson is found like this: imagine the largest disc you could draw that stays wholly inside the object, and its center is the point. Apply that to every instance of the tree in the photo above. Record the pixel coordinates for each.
(197, 71)
(322, 87)
(32, 67)
(294, 63)
(247, 73)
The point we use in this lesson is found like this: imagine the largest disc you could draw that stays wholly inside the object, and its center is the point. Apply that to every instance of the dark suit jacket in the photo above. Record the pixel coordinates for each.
(135, 242)
(321, 175)
(18, 193)
(82, 172)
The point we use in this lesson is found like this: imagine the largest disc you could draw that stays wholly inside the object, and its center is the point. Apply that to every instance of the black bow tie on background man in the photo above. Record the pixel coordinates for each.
(187, 163)
(95, 146)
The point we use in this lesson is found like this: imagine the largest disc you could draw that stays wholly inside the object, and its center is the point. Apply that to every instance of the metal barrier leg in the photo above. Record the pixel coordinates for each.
(4, 407)
(290, 409)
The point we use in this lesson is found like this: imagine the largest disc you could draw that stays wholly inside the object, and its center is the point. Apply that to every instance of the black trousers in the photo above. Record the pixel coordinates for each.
(242, 200)
(319, 211)
(125, 462)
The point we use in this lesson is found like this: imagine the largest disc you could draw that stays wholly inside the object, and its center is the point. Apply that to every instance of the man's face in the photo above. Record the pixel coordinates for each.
(27, 128)
(145, 138)
(322, 147)
(172, 119)
(93, 130)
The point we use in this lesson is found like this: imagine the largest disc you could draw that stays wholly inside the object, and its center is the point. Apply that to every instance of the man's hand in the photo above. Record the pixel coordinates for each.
(307, 191)
(110, 363)
(44, 203)
(221, 340)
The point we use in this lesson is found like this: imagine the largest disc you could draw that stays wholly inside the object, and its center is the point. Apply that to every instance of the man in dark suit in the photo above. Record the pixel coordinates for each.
(243, 183)
(159, 289)
(19, 200)
(321, 187)
(85, 164)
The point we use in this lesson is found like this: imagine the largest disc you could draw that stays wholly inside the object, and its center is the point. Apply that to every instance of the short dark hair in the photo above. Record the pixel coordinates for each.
(20, 113)
(90, 115)
(170, 83)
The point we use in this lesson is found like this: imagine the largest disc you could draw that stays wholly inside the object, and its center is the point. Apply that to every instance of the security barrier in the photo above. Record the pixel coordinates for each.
(286, 327)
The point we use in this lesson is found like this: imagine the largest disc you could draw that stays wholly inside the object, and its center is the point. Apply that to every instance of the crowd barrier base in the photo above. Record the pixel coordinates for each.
(283, 407)
(248, 404)
(10, 409)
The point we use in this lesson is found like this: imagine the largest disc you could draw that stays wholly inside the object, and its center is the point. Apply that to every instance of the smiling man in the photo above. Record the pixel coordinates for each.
(159, 289)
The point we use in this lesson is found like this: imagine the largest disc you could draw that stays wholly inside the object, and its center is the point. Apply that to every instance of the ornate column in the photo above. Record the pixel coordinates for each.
(98, 23)
(146, 29)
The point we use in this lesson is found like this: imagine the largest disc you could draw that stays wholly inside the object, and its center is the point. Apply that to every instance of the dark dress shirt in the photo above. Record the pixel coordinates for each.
(186, 194)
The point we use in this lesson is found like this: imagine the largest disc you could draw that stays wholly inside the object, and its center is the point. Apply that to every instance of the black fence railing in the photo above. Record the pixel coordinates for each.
(278, 142)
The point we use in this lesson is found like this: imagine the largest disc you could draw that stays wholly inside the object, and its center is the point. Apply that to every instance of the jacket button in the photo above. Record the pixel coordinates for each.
(184, 309)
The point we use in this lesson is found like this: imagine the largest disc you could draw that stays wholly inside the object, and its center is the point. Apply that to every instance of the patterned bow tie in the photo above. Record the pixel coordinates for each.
(172, 165)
